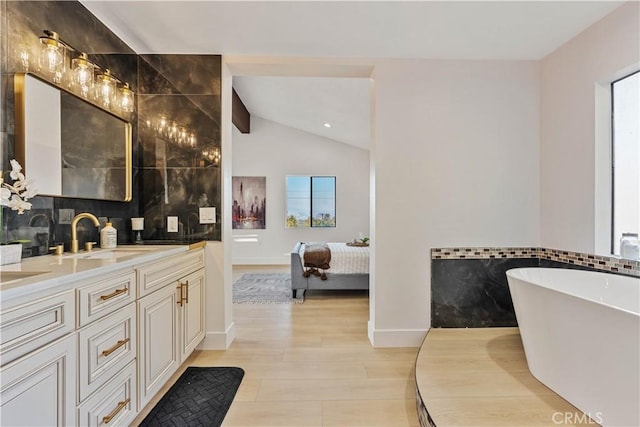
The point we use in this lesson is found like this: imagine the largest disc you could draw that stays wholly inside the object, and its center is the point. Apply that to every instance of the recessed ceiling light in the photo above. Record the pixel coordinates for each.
(327, 125)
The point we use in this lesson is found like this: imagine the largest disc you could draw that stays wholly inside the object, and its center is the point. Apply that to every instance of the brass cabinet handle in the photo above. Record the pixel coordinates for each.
(179, 302)
(183, 299)
(113, 294)
(115, 347)
(113, 413)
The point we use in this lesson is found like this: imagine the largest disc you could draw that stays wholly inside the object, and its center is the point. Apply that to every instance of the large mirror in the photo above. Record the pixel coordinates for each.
(69, 146)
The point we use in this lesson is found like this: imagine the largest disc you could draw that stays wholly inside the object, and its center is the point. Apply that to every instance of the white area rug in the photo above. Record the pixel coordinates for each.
(264, 288)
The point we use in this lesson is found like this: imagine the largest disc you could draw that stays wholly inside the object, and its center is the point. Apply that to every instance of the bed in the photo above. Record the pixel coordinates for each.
(349, 270)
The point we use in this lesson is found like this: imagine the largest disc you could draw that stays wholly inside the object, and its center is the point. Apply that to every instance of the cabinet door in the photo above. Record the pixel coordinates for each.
(192, 326)
(39, 388)
(158, 356)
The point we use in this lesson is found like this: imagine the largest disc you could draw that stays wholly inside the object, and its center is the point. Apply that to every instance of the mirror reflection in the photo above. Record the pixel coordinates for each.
(71, 147)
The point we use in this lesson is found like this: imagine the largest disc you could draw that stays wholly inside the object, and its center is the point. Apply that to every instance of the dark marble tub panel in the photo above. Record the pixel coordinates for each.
(473, 293)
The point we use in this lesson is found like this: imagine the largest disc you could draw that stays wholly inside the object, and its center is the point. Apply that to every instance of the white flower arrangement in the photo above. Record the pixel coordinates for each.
(15, 195)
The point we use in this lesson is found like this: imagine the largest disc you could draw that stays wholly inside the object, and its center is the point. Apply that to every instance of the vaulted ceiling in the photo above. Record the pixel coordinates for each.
(498, 30)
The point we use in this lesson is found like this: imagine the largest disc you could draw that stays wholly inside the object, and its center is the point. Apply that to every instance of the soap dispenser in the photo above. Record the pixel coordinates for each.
(108, 237)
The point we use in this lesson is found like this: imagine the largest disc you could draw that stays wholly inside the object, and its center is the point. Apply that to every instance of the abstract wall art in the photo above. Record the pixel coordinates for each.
(249, 202)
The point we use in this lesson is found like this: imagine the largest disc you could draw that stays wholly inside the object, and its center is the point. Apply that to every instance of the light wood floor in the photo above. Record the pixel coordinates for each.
(312, 364)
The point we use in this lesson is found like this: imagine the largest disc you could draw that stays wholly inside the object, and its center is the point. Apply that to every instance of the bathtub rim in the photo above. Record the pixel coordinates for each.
(517, 273)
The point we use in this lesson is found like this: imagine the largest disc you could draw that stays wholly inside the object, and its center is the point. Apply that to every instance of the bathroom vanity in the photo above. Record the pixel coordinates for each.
(90, 338)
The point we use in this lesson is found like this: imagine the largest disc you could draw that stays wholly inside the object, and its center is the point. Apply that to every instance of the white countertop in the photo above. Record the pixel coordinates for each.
(63, 271)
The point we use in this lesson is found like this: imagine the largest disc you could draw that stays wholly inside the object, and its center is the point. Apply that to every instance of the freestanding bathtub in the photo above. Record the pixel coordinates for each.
(581, 336)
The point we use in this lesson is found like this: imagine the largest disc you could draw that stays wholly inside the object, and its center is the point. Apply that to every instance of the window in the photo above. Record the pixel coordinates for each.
(311, 201)
(625, 158)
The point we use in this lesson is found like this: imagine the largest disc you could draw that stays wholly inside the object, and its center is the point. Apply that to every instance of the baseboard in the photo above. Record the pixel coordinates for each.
(396, 337)
(218, 340)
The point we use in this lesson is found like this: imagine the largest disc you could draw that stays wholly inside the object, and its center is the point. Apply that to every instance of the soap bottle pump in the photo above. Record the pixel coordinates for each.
(108, 237)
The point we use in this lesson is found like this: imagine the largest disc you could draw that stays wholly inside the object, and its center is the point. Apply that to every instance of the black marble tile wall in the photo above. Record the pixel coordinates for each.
(23, 23)
(176, 175)
(473, 293)
(169, 177)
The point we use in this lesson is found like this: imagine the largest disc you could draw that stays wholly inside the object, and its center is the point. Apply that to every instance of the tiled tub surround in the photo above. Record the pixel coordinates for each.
(469, 286)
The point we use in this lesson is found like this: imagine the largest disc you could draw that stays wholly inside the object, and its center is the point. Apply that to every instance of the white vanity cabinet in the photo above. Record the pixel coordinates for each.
(91, 344)
(170, 317)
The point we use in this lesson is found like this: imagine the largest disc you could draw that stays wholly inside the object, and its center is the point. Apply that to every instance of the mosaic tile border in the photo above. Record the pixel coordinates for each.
(483, 253)
(610, 264)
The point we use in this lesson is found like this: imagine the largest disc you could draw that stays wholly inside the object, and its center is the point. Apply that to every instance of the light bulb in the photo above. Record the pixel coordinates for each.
(162, 122)
(105, 88)
(82, 74)
(51, 54)
(125, 101)
(24, 56)
(183, 136)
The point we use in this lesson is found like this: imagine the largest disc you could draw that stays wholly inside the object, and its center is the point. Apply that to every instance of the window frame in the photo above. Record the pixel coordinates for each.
(612, 165)
(311, 199)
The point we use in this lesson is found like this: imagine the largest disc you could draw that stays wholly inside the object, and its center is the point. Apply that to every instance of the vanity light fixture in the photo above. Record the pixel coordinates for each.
(82, 73)
(51, 59)
(172, 131)
(125, 99)
(60, 61)
(105, 88)
(212, 155)
(24, 55)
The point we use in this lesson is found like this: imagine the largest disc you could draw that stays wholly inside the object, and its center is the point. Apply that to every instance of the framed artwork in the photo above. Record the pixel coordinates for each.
(249, 202)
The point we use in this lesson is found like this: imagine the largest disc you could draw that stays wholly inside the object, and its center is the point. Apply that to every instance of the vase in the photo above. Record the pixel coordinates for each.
(10, 254)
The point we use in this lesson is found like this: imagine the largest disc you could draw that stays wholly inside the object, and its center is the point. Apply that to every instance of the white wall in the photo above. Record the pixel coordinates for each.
(275, 151)
(574, 155)
(456, 160)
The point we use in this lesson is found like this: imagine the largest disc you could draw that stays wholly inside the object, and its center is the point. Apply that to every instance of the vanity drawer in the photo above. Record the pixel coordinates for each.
(29, 326)
(105, 347)
(154, 276)
(114, 404)
(105, 296)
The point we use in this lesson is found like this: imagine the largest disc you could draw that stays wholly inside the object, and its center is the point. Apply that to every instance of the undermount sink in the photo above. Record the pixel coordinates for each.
(12, 276)
(110, 253)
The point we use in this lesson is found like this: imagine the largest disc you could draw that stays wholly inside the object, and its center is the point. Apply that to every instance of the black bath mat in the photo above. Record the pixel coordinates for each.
(200, 397)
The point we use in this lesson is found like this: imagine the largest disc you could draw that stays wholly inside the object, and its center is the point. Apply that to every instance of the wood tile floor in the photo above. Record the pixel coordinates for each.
(312, 364)
(479, 377)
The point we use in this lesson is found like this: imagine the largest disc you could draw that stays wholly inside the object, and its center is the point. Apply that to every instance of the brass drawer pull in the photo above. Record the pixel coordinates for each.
(115, 347)
(113, 294)
(113, 413)
(183, 299)
(179, 302)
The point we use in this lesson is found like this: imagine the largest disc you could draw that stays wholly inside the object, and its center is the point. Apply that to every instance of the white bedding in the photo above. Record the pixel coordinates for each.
(345, 259)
